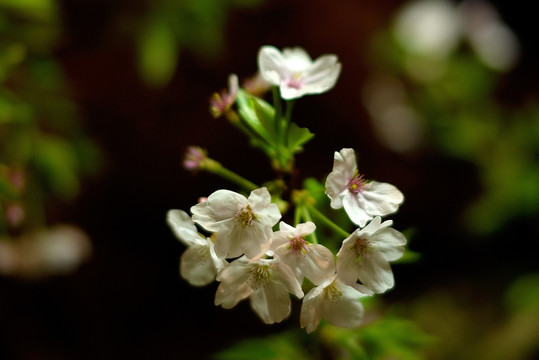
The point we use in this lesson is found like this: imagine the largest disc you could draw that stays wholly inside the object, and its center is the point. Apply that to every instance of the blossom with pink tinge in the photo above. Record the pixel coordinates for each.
(293, 71)
(365, 255)
(362, 200)
(313, 261)
(266, 282)
(243, 225)
(339, 304)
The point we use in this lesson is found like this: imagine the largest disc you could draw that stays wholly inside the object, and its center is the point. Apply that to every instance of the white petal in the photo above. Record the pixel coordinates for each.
(305, 229)
(234, 285)
(285, 228)
(255, 239)
(354, 207)
(318, 263)
(266, 212)
(297, 60)
(323, 74)
(271, 303)
(280, 239)
(220, 206)
(312, 308)
(345, 160)
(381, 198)
(348, 261)
(183, 227)
(372, 227)
(375, 273)
(389, 243)
(227, 242)
(284, 275)
(271, 64)
(196, 266)
(346, 312)
(336, 186)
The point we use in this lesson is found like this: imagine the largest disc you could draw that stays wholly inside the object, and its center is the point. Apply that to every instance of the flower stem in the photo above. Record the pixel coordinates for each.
(297, 215)
(216, 168)
(278, 113)
(307, 217)
(286, 120)
(327, 221)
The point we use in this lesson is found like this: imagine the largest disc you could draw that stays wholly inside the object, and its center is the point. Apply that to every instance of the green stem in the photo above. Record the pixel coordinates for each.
(286, 121)
(216, 168)
(278, 113)
(327, 221)
(297, 215)
(307, 217)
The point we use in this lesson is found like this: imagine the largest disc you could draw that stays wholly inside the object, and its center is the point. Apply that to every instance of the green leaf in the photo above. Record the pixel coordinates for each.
(254, 112)
(297, 137)
(158, 53)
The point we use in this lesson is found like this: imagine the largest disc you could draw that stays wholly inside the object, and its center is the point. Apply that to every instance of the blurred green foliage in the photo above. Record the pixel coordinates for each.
(172, 25)
(44, 152)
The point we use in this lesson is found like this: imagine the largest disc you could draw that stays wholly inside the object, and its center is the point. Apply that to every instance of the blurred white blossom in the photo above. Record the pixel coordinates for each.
(58, 250)
(295, 73)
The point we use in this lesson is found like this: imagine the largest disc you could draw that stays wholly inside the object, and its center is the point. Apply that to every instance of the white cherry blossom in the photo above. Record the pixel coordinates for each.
(361, 199)
(198, 264)
(243, 225)
(365, 255)
(313, 261)
(267, 283)
(334, 301)
(295, 73)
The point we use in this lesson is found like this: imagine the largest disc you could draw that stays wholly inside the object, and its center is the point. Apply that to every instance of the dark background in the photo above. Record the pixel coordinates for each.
(129, 301)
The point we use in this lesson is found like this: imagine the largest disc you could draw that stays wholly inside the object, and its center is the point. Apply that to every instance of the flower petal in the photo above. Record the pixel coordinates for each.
(271, 303)
(312, 308)
(266, 212)
(234, 285)
(183, 227)
(354, 207)
(255, 239)
(336, 186)
(318, 263)
(348, 261)
(283, 274)
(270, 64)
(196, 266)
(323, 74)
(375, 273)
(297, 59)
(381, 198)
(347, 311)
(220, 207)
(389, 243)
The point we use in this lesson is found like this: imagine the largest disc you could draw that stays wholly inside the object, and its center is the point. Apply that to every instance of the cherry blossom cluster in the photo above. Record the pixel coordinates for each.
(247, 244)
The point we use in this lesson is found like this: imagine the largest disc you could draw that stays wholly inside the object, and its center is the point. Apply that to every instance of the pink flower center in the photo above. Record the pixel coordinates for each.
(298, 245)
(356, 184)
(295, 82)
